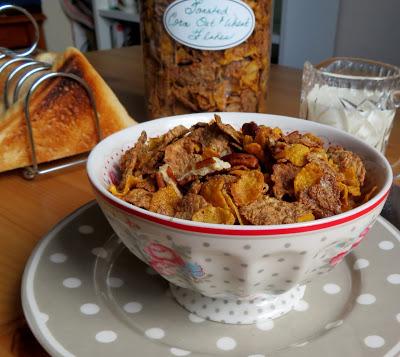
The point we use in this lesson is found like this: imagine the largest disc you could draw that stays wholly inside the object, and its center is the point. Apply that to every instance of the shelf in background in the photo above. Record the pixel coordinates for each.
(119, 15)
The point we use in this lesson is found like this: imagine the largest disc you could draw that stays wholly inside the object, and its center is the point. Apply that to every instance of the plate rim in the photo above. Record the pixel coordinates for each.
(29, 305)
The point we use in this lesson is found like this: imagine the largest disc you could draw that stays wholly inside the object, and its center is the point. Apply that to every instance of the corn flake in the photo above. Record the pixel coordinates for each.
(247, 139)
(351, 180)
(232, 207)
(211, 214)
(130, 182)
(308, 176)
(344, 196)
(296, 154)
(250, 76)
(306, 217)
(256, 150)
(317, 154)
(212, 192)
(248, 188)
(268, 136)
(165, 201)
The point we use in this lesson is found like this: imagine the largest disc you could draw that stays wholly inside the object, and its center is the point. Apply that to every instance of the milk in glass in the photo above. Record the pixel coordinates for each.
(356, 111)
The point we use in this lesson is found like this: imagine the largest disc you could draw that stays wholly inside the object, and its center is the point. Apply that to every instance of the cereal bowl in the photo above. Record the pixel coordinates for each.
(217, 271)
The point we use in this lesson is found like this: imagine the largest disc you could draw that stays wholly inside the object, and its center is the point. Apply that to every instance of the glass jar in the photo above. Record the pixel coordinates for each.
(205, 55)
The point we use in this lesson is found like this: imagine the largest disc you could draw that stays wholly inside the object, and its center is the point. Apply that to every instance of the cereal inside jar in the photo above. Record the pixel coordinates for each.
(205, 55)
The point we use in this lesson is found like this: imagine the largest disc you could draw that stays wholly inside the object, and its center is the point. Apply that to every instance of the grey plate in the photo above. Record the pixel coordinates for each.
(84, 294)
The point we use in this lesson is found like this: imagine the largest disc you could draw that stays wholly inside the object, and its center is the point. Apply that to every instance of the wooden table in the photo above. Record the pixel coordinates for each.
(28, 209)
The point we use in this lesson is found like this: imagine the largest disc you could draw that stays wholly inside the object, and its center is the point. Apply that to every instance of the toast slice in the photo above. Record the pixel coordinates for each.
(46, 57)
(61, 116)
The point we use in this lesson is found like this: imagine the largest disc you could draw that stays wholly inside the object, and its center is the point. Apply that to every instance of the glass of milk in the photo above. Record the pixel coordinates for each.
(356, 95)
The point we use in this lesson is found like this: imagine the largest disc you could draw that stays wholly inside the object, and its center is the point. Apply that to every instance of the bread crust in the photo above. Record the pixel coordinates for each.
(61, 116)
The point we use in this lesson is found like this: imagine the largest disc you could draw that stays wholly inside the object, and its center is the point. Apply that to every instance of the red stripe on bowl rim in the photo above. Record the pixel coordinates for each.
(242, 232)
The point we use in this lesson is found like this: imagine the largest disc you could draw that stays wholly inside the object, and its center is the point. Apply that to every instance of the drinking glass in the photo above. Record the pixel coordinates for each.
(356, 95)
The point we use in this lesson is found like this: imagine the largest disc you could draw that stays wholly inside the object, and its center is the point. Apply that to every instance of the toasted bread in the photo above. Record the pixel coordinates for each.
(61, 116)
(3, 77)
(46, 57)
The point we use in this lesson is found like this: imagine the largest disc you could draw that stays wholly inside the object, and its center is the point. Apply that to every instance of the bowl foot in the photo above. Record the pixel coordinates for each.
(238, 311)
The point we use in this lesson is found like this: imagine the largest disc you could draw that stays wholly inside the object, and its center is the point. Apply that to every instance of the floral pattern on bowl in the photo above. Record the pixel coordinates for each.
(167, 262)
(340, 256)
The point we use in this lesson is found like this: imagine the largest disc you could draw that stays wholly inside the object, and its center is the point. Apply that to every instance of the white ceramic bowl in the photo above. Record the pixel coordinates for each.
(216, 269)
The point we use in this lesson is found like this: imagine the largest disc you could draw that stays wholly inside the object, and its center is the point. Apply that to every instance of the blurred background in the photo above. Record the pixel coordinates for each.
(302, 29)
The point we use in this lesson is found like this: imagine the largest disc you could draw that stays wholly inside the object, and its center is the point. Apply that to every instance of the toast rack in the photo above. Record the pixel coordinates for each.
(23, 69)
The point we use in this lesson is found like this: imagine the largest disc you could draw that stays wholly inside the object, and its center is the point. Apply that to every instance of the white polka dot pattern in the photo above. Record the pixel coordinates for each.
(374, 341)
(58, 258)
(360, 264)
(393, 279)
(89, 309)
(366, 299)
(99, 252)
(114, 282)
(331, 289)
(106, 336)
(72, 283)
(386, 245)
(103, 330)
(86, 229)
(155, 333)
(226, 343)
(133, 307)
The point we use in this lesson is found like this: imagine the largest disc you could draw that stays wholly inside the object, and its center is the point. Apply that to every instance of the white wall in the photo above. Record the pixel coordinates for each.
(307, 31)
(57, 27)
(370, 29)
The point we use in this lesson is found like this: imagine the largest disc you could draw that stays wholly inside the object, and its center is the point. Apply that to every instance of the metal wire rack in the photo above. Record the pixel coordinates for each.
(23, 67)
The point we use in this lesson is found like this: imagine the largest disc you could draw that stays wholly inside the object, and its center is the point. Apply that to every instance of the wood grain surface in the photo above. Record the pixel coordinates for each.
(28, 209)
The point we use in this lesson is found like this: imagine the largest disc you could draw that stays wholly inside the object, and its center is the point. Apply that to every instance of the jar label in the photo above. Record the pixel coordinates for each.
(209, 24)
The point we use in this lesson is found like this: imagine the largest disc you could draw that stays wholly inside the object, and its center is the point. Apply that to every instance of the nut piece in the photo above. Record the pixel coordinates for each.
(171, 174)
(160, 180)
(206, 162)
(250, 129)
(239, 159)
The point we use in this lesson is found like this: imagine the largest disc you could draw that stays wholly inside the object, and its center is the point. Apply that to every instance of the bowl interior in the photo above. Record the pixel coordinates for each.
(104, 158)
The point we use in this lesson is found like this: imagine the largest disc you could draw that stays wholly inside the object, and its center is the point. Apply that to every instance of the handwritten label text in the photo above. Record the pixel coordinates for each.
(209, 24)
